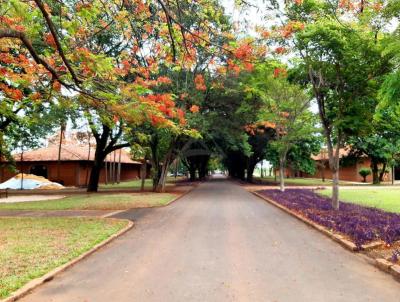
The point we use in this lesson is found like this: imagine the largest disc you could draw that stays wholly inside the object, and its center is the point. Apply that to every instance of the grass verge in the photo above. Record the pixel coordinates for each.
(386, 199)
(136, 184)
(95, 202)
(31, 247)
(131, 184)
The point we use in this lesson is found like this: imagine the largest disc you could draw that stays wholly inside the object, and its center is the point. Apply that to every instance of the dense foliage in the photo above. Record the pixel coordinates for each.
(167, 77)
(120, 64)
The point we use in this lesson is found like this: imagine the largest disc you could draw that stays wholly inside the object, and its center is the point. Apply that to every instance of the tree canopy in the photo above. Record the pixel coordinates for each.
(158, 76)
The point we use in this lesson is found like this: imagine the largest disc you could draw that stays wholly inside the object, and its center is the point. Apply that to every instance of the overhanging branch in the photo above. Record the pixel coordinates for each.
(57, 41)
(15, 34)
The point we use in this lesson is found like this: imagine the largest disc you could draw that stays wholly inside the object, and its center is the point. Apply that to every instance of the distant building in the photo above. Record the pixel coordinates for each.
(76, 161)
(347, 172)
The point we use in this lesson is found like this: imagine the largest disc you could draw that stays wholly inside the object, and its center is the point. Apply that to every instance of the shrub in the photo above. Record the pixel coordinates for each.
(364, 172)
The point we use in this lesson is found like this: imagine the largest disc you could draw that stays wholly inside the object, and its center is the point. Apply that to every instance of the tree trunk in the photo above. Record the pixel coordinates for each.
(191, 166)
(160, 188)
(262, 170)
(22, 168)
(161, 182)
(382, 173)
(281, 178)
(119, 167)
(282, 161)
(155, 173)
(393, 175)
(88, 161)
(192, 172)
(335, 188)
(95, 173)
(106, 143)
(375, 172)
(143, 169)
(317, 83)
(250, 172)
(176, 168)
(323, 170)
(63, 126)
(334, 161)
(110, 169)
(203, 164)
(99, 156)
(155, 164)
(241, 173)
(114, 169)
(106, 170)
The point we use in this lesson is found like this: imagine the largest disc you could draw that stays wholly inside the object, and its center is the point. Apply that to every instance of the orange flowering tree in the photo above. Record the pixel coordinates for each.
(107, 56)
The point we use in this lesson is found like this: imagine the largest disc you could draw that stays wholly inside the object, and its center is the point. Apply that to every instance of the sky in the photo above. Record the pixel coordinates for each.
(252, 15)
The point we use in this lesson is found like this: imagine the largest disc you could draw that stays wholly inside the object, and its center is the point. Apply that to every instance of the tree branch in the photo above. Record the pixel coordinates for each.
(57, 41)
(165, 9)
(120, 146)
(182, 30)
(169, 24)
(15, 34)
(11, 33)
(94, 130)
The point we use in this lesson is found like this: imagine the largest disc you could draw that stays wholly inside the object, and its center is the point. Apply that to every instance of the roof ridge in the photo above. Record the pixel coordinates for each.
(64, 147)
(70, 152)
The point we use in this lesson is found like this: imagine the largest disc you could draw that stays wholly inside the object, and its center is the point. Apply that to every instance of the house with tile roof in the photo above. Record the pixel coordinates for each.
(348, 171)
(70, 165)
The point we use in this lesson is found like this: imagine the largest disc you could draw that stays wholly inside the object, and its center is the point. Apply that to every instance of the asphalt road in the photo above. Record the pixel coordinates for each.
(220, 243)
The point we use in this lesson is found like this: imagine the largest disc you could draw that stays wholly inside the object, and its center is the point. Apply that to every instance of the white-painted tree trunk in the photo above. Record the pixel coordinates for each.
(335, 189)
(282, 161)
(281, 178)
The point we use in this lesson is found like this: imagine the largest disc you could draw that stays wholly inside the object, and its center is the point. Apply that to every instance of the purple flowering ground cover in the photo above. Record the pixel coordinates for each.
(361, 224)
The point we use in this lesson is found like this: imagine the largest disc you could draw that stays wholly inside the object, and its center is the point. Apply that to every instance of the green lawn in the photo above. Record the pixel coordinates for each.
(303, 181)
(135, 184)
(131, 184)
(31, 247)
(386, 198)
(95, 202)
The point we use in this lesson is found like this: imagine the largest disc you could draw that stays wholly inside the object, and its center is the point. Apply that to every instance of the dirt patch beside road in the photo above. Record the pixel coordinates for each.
(25, 198)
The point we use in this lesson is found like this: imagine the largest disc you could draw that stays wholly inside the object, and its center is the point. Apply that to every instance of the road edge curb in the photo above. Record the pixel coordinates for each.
(178, 196)
(111, 213)
(335, 237)
(381, 264)
(181, 195)
(33, 284)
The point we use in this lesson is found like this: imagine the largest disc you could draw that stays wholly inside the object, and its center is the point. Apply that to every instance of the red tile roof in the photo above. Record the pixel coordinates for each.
(71, 152)
(323, 155)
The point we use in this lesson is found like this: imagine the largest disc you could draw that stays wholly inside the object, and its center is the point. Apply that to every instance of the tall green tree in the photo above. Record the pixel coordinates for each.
(285, 107)
(343, 62)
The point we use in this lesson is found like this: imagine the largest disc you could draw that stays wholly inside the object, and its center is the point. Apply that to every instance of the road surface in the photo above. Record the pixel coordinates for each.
(220, 243)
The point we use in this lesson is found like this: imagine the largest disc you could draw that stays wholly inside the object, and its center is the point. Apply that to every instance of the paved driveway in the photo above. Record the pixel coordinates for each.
(220, 243)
